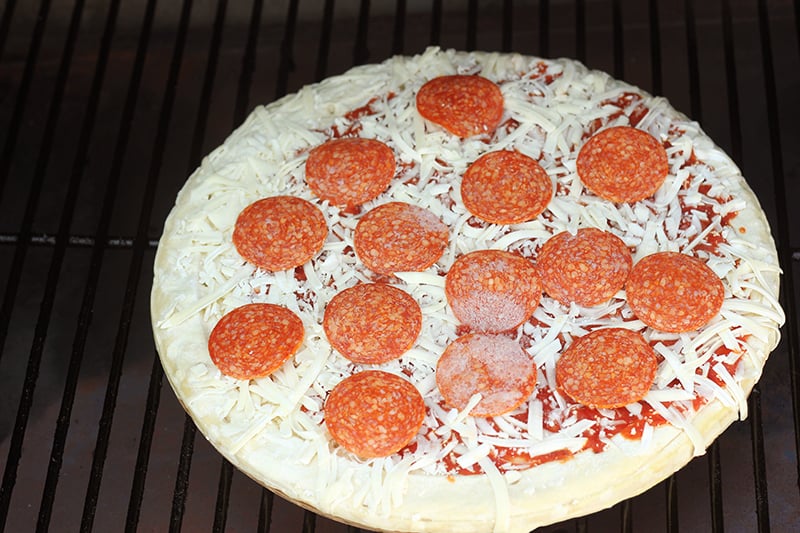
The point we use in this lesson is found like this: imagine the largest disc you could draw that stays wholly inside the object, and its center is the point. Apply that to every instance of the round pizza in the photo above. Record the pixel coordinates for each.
(465, 292)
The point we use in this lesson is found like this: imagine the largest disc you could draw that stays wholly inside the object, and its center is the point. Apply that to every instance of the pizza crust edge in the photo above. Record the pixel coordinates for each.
(548, 493)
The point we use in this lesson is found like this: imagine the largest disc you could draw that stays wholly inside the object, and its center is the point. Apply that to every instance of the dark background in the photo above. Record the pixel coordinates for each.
(106, 107)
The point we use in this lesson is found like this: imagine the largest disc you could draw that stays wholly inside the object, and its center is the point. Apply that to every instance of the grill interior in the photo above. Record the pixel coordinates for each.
(107, 106)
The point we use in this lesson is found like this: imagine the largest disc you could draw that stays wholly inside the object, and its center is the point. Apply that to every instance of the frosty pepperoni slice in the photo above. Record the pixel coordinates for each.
(372, 323)
(587, 268)
(494, 366)
(622, 164)
(463, 105)
(674, 292)
(279, 232)
(350, 171)
(254, 340)
(374, 413)
(492, 290)
(399, 237)
(607, 368)
(506, 187)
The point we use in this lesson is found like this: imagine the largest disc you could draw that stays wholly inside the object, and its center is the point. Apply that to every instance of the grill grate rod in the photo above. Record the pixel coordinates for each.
(73, 241)
(109, 401)
(696, 110)
(63, 420)
(140, 243)
(31, 64)
(156, 375)
(784, 250)
(241, 108)
(37, 348)
(5, 23)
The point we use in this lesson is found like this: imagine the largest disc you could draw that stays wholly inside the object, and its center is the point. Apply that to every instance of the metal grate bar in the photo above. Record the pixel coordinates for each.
(696, 111)
(143, 456)
(580, 30)
(23, 411)
(472, 25)
(10, 294)
(324, 40)
(436, 23)
(156, 375)
(508, 25)
(74, 241)
(223, 496)
(784, 252)
(477, 23)
(195, 154)
(248, 63)
(655, 46)
(112, 387)
(23, 93)
(398, 34)
(360, 48)
(5, 23)
(14, 454)
(182, 478)
(544, 28)
(286, 64)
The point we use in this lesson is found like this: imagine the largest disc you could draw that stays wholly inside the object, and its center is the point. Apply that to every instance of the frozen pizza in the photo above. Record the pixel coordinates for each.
(465, 292)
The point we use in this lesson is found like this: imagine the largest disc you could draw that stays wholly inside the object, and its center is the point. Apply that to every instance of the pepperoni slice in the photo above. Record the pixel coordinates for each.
(399, 237)
(673, 292)
(506, 187)
(463, 105)
(492, 290)
(622, 164)
(350, 171)
(372, 323)
(279, 233)
(254, 340)
(587, 268)
(493, 365)
(607, 368)
(374, 413)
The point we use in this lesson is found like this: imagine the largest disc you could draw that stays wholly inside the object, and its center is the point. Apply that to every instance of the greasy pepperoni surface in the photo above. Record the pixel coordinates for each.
(607, 368)
(506, 187)
(622, 164)
(587, 268)
(350, 171)
(374, 413)
(279, 232)
(399, 237)
(492, 290)
(674, 292)
(372, 323)
(254, 340)
(494, 366)
(463, 105)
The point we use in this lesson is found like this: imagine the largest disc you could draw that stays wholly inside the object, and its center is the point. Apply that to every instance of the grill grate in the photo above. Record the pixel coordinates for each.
(107, 106)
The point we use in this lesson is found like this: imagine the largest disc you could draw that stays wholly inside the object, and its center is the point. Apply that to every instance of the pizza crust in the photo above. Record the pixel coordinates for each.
(280, 448)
